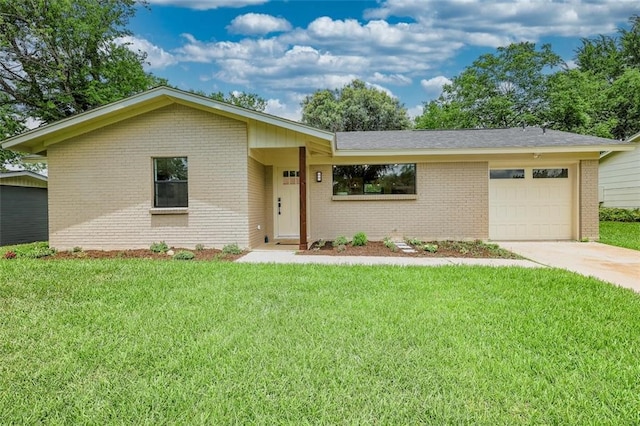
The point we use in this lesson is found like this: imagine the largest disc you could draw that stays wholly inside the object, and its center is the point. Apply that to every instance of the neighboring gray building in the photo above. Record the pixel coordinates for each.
(23, 208)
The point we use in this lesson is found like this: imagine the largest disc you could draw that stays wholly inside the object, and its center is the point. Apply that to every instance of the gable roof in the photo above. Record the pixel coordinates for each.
(36, 140)
(485, 140)
(635, 139)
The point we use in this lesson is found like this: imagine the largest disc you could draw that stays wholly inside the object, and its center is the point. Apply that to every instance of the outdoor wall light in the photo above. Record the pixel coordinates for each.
(318, 176)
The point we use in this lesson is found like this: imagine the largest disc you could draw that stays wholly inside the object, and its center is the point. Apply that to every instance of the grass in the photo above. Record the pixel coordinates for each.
(621, 234)
(148, 342)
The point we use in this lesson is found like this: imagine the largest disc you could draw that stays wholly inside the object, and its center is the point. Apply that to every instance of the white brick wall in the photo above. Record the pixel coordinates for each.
(101, 183)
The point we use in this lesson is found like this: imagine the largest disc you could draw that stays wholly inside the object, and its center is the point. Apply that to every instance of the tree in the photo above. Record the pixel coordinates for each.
(504, 89)
(354, 107)
(614, 62)
(59, 58)
(245, 100)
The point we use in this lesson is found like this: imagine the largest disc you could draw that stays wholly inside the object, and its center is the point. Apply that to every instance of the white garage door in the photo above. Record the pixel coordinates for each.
(531, 203)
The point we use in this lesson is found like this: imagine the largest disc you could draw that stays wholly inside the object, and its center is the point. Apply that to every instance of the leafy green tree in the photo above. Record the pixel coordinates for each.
(354, 107)
(504, 89)
(241, 99)
(59, 58)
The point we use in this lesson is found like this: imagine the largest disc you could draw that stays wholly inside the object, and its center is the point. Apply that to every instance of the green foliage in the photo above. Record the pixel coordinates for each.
(184, 255)
(431, 248)
(360, 239)
(29, 251)
(621, 234)
(354, 107)
(504, 89)
(67, 57)
(414, 241)
(388, 243)
(340, 241)
(199, 247)
(612, 214)
(231, 249)
(160, 247)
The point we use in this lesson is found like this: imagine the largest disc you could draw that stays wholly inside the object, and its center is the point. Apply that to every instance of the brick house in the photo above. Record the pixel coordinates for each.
(167, 165)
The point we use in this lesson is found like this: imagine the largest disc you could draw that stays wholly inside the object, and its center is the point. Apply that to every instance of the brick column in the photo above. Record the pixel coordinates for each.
(589, 217)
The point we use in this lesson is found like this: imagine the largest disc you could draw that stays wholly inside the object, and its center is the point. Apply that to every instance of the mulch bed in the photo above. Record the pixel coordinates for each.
(205, 254)
(445, 249)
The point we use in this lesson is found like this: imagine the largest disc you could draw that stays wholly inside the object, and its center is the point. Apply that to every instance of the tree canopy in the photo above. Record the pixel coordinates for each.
(59, 58)
(354, 107)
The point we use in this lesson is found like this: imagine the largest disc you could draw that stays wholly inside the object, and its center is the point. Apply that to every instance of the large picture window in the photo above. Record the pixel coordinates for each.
(170, 182)
(374, 179)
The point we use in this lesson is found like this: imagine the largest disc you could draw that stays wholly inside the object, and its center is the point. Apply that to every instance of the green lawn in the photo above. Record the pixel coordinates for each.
(157, 342)
(621, 234)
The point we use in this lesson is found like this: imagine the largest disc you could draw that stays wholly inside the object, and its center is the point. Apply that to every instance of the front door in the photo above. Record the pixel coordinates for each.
(287, 203)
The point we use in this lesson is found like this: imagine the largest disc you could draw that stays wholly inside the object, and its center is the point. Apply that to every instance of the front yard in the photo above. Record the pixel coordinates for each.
(621, 234)
(147, 342)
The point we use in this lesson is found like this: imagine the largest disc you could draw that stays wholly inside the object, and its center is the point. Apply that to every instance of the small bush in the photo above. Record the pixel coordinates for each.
(431, 248)
(199, 247)
(388, 243)
(341, 248)
(231, 249)
(340, 241)
(360, 239)
(160, 247)
(10, 255)
(611, 214)
(184, 255)
(76, 249)
(414, 242)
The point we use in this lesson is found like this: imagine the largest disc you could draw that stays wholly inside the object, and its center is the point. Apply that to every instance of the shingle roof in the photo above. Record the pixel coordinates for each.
(516, 137)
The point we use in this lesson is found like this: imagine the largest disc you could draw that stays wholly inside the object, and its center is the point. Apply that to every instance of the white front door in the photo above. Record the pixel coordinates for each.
(287, 203)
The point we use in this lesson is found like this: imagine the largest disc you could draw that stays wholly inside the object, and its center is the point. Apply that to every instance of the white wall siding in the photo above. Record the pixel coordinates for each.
(619, 181)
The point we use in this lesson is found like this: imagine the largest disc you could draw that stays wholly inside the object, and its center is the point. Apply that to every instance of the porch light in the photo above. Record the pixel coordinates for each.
(318, 176)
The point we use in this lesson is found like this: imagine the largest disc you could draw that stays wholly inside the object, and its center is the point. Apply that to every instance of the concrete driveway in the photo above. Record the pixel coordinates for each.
(613, 264)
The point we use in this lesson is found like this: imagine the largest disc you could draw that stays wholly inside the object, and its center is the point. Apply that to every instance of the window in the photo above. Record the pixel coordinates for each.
(375, 179)
(170, 182)
(506, 174)
(550, 173)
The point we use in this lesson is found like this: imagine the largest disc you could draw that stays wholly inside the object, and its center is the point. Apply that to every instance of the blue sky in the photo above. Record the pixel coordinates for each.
(284, 50)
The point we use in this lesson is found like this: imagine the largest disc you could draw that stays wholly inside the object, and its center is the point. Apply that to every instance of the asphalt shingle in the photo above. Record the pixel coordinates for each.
(517, 137)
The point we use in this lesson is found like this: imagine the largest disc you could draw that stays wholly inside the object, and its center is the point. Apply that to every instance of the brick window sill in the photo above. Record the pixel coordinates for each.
(169, 210)
(388, 197)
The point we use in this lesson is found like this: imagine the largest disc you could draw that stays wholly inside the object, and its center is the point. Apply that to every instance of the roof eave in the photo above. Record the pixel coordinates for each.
(479, 151)
(36, 140)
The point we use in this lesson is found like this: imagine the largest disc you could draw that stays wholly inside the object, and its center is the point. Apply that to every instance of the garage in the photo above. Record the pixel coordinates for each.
(531, 203)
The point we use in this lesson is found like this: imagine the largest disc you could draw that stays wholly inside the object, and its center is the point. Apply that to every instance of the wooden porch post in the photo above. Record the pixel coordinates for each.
(302, 164)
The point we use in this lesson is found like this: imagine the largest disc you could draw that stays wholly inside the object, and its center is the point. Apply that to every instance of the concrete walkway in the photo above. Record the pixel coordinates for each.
(290, 256)
(612, 264)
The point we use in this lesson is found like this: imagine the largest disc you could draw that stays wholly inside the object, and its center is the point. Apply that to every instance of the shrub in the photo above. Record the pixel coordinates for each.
(360, 239)
(414, 242)
(431, 248)
(160, 247)
(388, 243)
(611, 214)
(199, 247)
(184, 255)
(340, 241)
(10, 255)
(341, 248)
(231, 249)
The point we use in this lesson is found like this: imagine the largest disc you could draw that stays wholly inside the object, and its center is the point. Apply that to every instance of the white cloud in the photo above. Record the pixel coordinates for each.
(157, 57)
(415, 111)
(207, 4)
(433, 86)
(397, 79)
(258, 24)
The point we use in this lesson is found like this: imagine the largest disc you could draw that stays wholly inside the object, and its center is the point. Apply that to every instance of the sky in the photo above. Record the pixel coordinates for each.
(284, 50)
